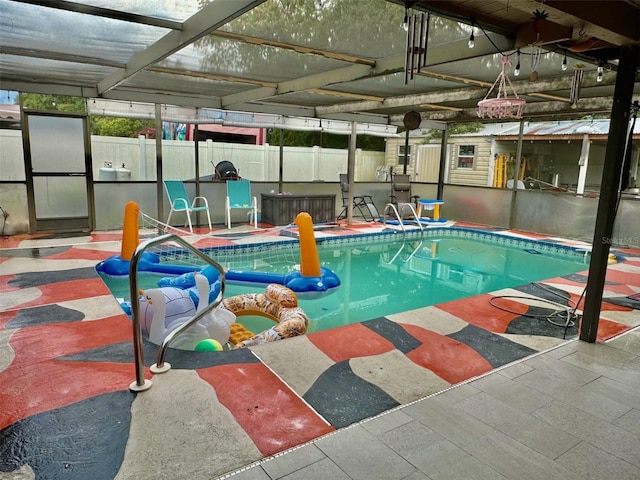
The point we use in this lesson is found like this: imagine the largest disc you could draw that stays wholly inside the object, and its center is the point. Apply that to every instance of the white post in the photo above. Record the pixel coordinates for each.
(142, 166)
(315, 158)
(266, 163)
(583, 162)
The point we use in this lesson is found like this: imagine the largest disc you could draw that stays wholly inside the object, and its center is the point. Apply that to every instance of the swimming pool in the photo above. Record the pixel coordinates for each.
(382, 274)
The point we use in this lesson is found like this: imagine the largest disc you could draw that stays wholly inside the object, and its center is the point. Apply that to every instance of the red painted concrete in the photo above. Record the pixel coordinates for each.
(479, 312)
(450, 359)
(272, 415)
(36, 382)
(608, 329)
(350, 341)
(69, 290)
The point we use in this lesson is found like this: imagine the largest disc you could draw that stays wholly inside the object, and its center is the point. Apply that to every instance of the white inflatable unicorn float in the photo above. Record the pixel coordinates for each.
(164, 309)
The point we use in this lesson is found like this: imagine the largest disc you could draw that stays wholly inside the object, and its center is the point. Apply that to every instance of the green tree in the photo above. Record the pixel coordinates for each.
(119, 127)
(106, 126)
(294, 138)
(454, 129)
(60, 103)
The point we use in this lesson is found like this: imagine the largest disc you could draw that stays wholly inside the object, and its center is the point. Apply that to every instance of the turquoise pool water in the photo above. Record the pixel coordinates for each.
(382, 275)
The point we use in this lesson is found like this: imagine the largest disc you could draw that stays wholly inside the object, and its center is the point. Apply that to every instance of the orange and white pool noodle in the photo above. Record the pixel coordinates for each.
(130, 236)
(309, 259)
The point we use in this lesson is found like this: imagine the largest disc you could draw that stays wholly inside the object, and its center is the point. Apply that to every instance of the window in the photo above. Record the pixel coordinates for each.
(404, 159)
(466, 156)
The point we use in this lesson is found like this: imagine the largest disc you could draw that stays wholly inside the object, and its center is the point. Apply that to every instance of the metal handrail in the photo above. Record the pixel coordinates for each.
(392, 207)
(141, 383)
(404, 206)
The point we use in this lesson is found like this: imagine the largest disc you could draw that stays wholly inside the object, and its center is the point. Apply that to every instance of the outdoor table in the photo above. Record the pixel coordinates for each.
(426, 204)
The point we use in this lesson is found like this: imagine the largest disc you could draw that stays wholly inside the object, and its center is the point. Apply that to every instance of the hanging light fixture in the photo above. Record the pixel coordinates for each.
(516, 72)
(405, 22)
(472, 38)
(600, 71)
(564, 62)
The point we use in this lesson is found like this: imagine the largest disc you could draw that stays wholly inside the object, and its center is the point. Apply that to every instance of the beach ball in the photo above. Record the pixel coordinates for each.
(208, 345)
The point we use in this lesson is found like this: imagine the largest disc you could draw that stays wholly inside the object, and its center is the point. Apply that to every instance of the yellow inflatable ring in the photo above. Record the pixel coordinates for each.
(278, 303)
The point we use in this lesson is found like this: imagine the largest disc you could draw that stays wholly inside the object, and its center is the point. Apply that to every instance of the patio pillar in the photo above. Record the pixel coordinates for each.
(280, 160)
(609, 186)
(443, 161)
(159, 176)
(583, 162)
(351, 163)
(516, 174)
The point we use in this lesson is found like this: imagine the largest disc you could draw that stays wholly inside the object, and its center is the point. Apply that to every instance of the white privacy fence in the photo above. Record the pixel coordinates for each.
(124, 159)
(255, 162)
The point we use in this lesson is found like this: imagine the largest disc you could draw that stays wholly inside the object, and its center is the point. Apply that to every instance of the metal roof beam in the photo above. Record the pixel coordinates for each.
(210, 17)
(437, 55)
(57, 56)
(532, 110)
(293, 47)
(524, 87)
(106, 13)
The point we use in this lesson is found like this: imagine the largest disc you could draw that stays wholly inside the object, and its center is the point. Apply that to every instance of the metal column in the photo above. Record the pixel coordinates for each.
(609, 190)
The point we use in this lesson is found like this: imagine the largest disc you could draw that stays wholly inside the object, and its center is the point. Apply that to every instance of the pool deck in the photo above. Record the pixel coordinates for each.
(454, 391)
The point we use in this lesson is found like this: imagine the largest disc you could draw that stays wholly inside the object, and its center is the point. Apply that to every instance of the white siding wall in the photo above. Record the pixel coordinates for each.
(469, 176)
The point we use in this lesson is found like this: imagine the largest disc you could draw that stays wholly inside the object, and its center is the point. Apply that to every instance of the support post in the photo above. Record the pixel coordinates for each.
(280, 160)
(351, 164)
(443, 161)
(516, 171)
(609, 190)
(407, 157)
(583, 162)
(159, 175)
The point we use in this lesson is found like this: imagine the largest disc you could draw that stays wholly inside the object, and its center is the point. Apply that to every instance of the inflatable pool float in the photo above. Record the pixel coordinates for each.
(278, 303)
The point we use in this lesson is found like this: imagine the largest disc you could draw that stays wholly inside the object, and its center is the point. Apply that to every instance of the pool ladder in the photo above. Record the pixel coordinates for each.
(391, 211)
(161, 366)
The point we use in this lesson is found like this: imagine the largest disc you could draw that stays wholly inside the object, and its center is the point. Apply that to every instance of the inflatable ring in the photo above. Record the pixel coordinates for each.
(278, 303)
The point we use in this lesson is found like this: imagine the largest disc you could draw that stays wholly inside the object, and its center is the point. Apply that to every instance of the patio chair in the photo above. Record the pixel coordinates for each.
(239, 197)
(180, 202)
(364, 203)
(401, 191)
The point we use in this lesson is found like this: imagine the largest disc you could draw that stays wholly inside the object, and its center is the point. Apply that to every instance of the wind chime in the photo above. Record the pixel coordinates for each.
(417, 27)
(576, 84)
(502, 106)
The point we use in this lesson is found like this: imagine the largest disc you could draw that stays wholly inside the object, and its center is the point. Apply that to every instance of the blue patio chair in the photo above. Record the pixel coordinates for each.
(239, 197)
(180, 202)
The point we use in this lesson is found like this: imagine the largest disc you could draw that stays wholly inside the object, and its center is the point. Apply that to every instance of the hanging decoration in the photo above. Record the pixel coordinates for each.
(417, 26)
(536, 56)
(538, 25)
(502, 106)
(576, 83)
